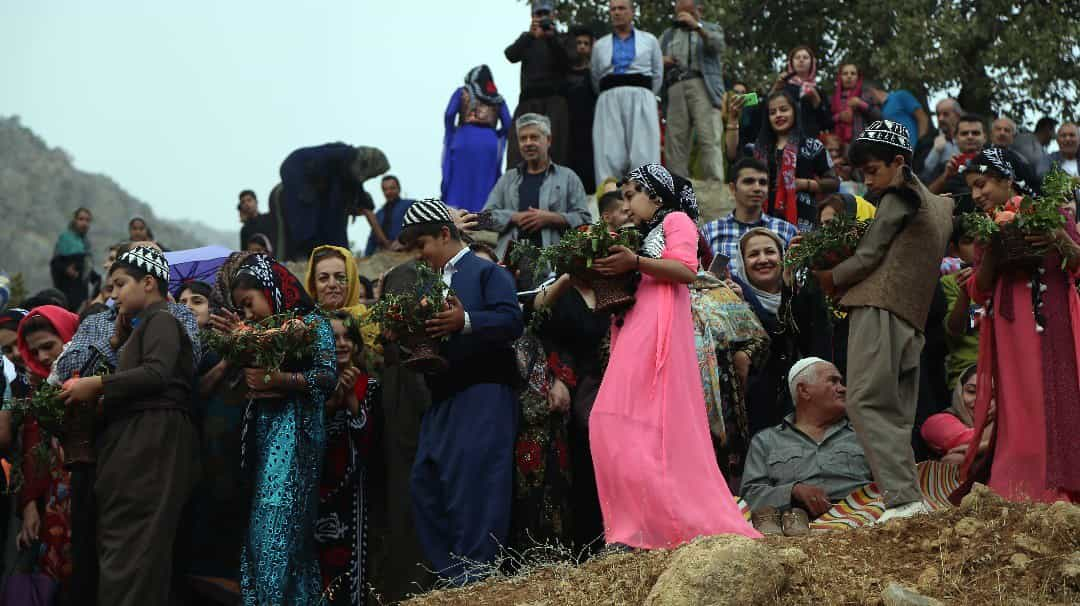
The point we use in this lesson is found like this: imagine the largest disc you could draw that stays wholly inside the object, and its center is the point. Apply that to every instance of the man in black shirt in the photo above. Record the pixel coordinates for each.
(581, 104)
(544, 62)
(254, 223)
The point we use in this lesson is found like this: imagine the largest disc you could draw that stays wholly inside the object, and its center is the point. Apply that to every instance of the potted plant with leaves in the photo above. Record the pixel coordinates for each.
(1006, 227)
(828, 246)
(575, 253)
(403, 318)
(271, 344)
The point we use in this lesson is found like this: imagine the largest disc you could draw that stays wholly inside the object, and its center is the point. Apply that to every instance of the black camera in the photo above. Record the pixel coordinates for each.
(547, 24)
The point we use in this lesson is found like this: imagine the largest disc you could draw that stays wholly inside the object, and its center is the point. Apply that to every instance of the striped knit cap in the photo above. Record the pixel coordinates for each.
(430, 210)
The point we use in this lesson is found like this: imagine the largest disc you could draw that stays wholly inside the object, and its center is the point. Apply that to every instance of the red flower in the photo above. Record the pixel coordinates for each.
(529, 456)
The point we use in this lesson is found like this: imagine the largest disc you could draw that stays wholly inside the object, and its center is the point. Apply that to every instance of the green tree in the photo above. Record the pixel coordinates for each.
(1020, 58)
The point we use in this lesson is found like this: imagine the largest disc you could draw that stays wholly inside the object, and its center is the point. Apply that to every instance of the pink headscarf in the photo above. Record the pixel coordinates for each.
(63, 322)
(845, 130)
(808, 83)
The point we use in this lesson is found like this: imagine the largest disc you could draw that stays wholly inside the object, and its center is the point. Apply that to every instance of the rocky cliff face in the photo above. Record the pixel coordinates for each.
(39, 190)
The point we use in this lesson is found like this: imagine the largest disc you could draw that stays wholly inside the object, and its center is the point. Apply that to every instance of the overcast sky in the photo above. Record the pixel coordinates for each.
(185, 104)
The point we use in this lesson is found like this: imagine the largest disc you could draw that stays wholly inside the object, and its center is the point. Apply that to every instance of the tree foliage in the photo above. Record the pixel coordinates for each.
(1020, 58)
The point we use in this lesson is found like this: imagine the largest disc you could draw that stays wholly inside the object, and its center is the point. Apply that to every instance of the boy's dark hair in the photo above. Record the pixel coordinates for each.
(608, 200)
(863, 151)
(137, 273)
(582, 30)
(247, 192)
(747, 163)
(197, 287)
(79, 211)
(391, 178)
(971, 118)
(410, 234)
(49, 296)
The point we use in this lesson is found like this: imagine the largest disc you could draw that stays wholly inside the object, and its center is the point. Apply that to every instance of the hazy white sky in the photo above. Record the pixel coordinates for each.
(185, 104)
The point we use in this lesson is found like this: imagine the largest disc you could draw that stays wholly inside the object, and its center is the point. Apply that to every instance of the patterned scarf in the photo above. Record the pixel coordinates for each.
(675, 193)
(282, 289)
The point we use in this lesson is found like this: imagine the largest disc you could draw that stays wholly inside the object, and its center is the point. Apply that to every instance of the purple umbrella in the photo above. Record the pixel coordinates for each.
(194, 264)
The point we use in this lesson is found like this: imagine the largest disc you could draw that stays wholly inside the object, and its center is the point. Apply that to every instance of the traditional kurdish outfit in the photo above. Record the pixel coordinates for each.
(890, 283)
(279, 561)
(628, 73)
(47, 482)
(462, 478)
(666, 489)
(147, 452)
(472, 145)
(1028, 361)
(343, 500)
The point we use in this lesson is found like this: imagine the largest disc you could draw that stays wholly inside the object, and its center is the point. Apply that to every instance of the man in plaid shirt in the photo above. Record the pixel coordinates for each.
(750, 188)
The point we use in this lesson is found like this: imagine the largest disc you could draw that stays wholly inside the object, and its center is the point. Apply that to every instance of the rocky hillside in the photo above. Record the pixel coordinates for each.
(985, 552)
(39, 189)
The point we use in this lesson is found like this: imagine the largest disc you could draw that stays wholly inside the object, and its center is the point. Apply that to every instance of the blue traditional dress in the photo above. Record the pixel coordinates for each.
(279, 561)
(472, 145)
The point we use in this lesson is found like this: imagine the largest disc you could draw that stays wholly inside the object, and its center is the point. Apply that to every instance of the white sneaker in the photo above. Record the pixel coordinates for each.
(904, 511)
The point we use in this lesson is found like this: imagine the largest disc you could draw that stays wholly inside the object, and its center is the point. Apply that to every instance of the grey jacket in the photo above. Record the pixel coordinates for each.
(781, 457)
(708, 58)
(561, 192)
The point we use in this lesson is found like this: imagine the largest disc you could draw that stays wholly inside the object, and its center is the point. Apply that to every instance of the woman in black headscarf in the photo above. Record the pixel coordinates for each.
(666, 489)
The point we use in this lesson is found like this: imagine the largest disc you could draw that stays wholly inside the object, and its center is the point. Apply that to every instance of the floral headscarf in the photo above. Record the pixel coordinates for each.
(282, 289)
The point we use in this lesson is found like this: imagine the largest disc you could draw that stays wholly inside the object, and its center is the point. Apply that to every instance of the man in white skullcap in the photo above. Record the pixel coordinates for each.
(811, 459)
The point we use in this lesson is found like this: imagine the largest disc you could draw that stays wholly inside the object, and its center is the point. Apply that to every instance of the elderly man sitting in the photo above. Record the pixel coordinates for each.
(810, 460)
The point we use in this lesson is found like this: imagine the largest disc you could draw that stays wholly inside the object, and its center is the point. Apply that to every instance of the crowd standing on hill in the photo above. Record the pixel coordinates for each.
(734, 396)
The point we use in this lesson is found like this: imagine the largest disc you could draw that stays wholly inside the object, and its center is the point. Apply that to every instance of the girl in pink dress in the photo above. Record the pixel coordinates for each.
(656, 473)
(1028, 346)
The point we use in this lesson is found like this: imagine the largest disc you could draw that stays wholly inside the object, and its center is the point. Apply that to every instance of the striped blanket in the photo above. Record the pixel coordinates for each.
(864, 506)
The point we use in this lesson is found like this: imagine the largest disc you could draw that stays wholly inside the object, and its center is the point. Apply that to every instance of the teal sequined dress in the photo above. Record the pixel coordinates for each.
(279, 563)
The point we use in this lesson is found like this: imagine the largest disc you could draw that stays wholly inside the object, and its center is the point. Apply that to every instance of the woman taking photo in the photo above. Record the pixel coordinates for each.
(799, 165)
(1028, 345)
(279, 561)
(667, 489)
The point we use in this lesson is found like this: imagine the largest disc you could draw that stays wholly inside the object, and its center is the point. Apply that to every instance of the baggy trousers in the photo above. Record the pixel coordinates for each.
(690, 112)
(147, 466)
(462, 480)
(626, 131)
(882, 395)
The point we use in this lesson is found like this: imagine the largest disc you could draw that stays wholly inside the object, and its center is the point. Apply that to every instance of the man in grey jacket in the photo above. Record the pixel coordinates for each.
(537, 200)
(693, 88)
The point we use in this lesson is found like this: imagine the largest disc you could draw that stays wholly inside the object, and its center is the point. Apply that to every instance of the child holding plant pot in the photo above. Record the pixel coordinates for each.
(147, 452)
(888, 286)
(1035, 319)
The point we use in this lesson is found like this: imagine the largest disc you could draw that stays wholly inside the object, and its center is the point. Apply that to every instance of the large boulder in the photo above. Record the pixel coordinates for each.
(726, 570)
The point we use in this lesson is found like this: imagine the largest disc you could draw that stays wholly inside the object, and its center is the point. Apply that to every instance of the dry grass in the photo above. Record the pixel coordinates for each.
(986, 553)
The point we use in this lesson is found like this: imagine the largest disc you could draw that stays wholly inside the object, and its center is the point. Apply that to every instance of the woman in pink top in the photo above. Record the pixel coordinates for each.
(656, 473)
(950, 433)
(1028, 345)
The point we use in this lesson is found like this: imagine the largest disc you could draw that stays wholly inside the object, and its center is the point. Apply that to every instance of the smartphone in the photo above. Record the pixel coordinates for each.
(751, 99)
(719, 266)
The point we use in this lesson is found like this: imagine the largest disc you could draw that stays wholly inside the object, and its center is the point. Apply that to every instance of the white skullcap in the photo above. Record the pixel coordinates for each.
(796, 370)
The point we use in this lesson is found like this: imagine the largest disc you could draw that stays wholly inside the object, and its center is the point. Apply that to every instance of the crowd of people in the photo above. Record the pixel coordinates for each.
(731, 383)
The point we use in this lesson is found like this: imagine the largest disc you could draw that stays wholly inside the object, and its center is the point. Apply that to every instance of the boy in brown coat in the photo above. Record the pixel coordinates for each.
(887, 286)
(148, 455)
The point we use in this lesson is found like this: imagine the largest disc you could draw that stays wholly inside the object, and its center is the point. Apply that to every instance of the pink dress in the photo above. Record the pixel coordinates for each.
(1012, 353)
(656, 472)
(944, 431)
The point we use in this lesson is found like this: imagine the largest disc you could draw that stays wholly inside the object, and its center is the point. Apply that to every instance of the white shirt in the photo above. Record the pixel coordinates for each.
(1070, 167)
(448, 272)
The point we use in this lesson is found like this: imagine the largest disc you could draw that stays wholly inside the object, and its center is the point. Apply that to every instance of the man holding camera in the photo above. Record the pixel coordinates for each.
(544, 60)
(693, 87)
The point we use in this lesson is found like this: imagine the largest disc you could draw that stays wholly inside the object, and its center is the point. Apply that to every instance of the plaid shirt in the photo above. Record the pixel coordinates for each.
(723, 234)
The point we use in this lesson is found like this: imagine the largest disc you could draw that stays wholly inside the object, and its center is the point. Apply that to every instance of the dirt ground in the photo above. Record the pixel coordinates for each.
(986, 552)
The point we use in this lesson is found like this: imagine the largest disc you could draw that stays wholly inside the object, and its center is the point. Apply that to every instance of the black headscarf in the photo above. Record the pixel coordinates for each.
(675, 193)
(993, 161)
